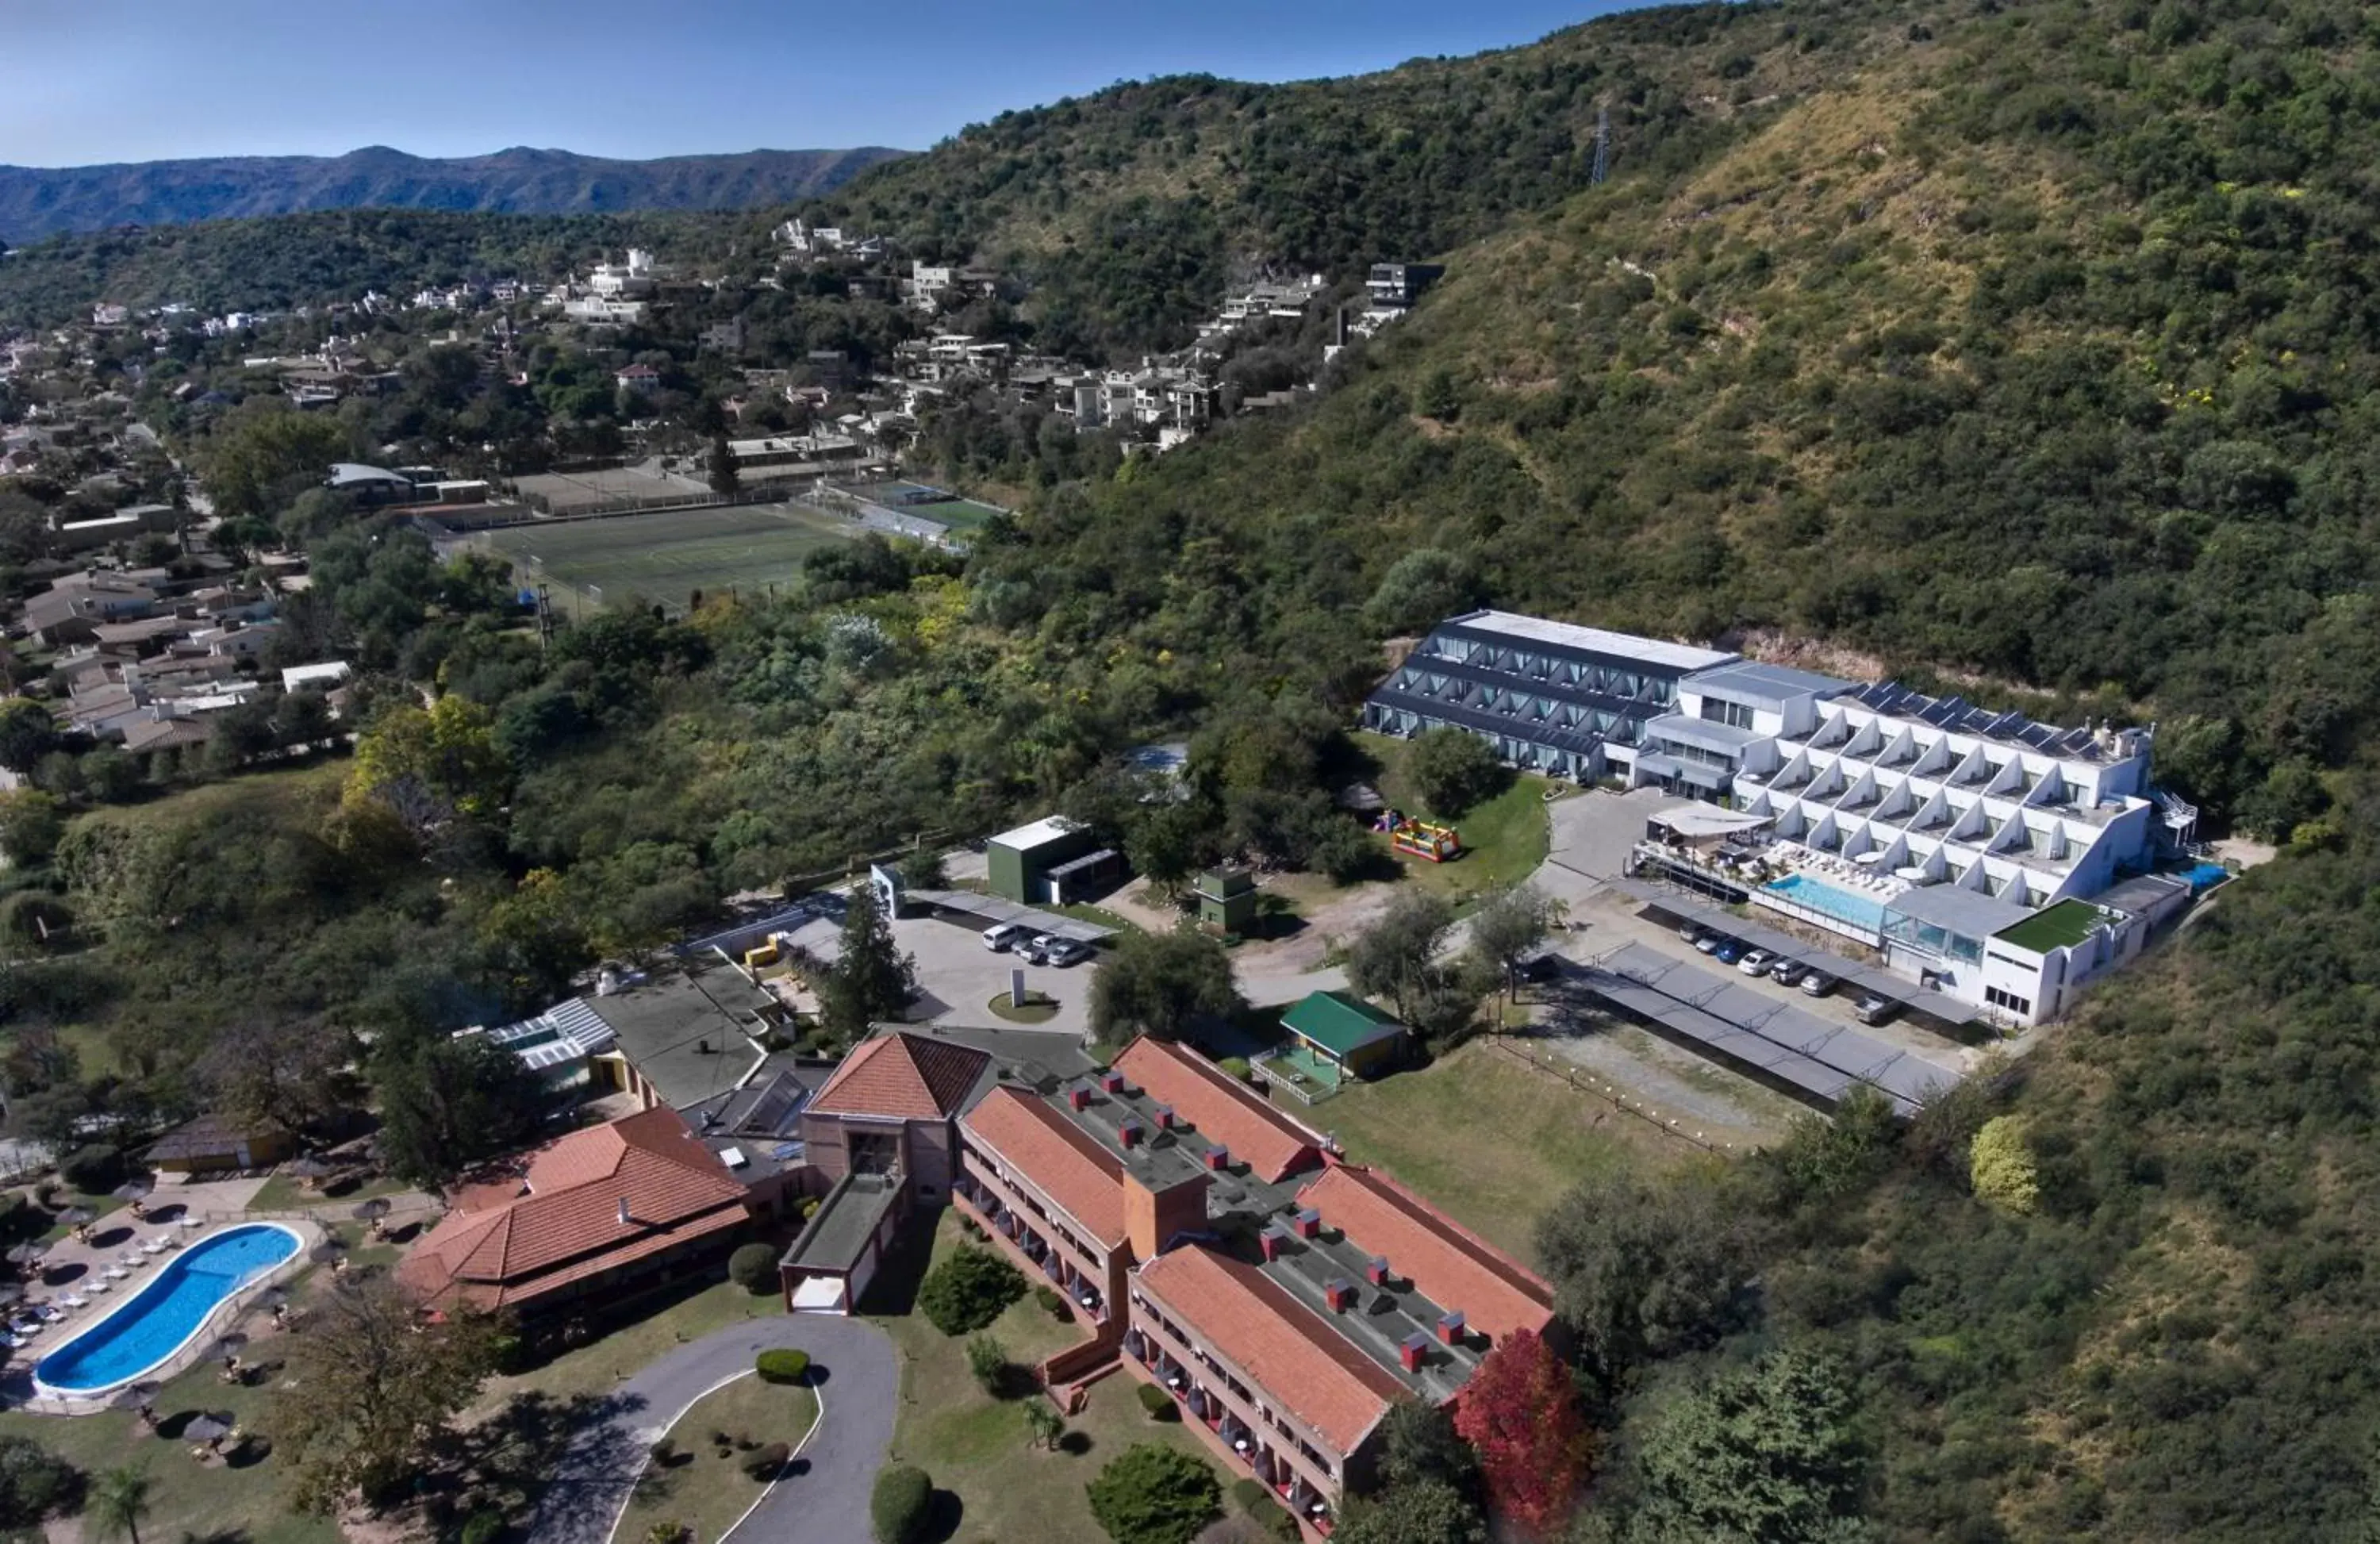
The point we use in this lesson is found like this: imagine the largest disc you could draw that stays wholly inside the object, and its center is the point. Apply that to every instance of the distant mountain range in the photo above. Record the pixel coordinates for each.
(38, 202)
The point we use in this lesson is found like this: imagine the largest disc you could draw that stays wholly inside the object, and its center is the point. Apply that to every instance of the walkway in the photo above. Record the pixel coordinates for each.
(824, 1502)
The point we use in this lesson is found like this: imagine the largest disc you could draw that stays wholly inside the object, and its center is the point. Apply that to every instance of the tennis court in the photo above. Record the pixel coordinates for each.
(933, 504)
(668, 556)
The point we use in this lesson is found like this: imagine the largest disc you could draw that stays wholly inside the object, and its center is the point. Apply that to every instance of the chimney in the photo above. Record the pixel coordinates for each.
(1307, 1223)
(1219, 1157)
(1129, 1134)
(624, 1211)
(1340, 1292)
(1449, 1328)
(1112, 1080)
(1079, 1098)
(1165, 1117)
(1376, 1273)
(1412, 1349)
(1272, 1241)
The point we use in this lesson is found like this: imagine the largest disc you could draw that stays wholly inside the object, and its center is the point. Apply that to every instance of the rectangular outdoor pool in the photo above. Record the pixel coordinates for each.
(1864, 912)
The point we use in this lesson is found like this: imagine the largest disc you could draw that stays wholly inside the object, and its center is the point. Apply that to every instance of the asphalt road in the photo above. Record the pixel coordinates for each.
(823, 1501)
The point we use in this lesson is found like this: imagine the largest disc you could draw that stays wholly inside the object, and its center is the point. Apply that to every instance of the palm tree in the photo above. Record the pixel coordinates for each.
(118, 1503)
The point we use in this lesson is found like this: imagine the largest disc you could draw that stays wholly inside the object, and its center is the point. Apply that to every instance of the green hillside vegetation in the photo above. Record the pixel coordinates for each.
(2026, 351)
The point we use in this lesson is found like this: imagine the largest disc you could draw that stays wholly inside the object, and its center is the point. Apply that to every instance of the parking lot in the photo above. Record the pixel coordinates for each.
(963, 977)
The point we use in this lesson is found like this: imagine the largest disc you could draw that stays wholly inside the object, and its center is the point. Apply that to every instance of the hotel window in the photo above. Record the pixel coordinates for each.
(1734, 715)
(2008, 1000)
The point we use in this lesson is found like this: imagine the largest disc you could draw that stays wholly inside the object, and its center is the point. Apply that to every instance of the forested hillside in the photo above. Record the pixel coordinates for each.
(36, 201)
(2025, 350)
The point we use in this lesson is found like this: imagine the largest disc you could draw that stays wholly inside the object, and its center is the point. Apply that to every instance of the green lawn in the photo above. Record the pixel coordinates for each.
(974, 1445)
(599, 1366)
(283, 1193)
(668, 555)
(703, 1487)
(1491, 1142)
(1504, 840)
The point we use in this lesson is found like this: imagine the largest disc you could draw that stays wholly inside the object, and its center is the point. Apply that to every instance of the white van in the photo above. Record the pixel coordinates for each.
(1005, 937)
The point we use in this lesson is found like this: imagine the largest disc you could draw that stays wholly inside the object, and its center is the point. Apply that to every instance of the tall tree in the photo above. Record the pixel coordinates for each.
(1770, 1453)
(1510, 920)
(1161, 984)
(1643, 1271)
(1424, 1511)
(373, 1386)
(725, 480)
(119, 1502)
(1521, 1412)
(1399, 957)
(448, 1104)
(283, 1073)
(28, 733)
(872, 979)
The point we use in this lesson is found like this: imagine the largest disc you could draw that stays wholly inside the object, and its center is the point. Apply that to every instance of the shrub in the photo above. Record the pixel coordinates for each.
(1274, 1518)
(765, 1462)
(1156, 1402)
(1049, 1299)
(987, 1360)
(483, 1528)
(968, 1291)
(1154, 1495)
(662, 1451)
(93, 1169)
(902, 1506)
(668, 1533)
(2001, 1167)
(34, 1482)
(753, 1267)
(782, 1365)
(1237, 1067)
(1248, 1492)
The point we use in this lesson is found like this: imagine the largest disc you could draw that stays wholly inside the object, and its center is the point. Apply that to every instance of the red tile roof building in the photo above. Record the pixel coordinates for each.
(902, 1077)
(1064, 1165)
(556, 1229)
(1447, 1263)
(1221, 1109)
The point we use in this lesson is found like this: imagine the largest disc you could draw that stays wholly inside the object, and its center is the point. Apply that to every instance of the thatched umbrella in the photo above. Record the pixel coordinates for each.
(372, 1210)
(209, 1429)
(134, 1190)
(29, 1253)
(310, 1170)
(326, 1251)
(11, 1291)
(272, 1297)
(134, 1396)
(76, 1216)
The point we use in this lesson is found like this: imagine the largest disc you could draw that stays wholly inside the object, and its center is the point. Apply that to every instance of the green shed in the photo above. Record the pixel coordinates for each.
(1019, 862)
(1346, 1031)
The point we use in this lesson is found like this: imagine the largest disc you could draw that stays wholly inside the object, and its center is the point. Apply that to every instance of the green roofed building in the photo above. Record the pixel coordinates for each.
(1346, 1031)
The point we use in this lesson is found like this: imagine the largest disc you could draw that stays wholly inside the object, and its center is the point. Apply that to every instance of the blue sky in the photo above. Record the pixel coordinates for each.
(96, 80)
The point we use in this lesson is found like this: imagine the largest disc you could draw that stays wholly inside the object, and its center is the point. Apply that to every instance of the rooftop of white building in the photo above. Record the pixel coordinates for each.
(1569, 634)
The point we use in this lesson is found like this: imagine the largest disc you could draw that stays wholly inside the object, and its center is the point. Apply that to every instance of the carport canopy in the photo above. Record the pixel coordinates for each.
(993, 911)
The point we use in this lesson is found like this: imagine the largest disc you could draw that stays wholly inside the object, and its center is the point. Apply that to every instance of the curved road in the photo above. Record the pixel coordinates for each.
(823, 1501)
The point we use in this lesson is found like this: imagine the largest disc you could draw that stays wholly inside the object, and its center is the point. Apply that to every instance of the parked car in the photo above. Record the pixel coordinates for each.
(1709, 942)
(1785, 971)
(1064, 952)
(1005, 936)
(1756, 962)
(1817, 983)
(1874, 1007)
(1692, 933)
(1034, 951)
(1729, 951)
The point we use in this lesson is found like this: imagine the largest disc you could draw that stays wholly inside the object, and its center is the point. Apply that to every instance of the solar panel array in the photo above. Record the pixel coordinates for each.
(1959, 716)
(1735, 1024)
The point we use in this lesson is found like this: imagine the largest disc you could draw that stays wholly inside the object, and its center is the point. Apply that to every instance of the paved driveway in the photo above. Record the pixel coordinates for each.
(823, 1501)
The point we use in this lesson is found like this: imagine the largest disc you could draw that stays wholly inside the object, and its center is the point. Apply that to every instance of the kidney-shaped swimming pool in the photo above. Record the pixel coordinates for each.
(149, 1327)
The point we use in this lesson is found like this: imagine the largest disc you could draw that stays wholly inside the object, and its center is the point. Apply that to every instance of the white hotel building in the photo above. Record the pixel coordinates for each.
(1989, 858)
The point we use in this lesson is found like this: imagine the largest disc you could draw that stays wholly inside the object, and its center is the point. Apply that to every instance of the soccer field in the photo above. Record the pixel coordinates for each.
(670, 555)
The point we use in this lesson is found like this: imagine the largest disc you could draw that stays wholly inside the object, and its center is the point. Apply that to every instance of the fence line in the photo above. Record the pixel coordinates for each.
(1586, 1083)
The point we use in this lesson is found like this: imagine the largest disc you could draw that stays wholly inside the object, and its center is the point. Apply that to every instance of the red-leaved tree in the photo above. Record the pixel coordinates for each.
(1521, 1413)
